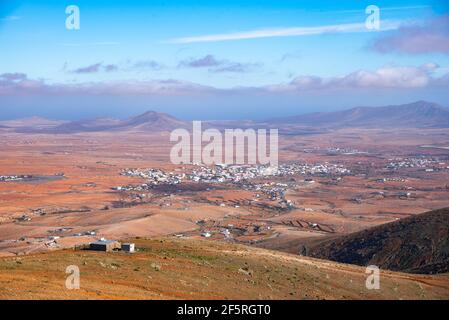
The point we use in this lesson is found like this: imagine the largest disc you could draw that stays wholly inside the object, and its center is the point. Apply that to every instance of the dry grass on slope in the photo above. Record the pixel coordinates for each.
(169, 268)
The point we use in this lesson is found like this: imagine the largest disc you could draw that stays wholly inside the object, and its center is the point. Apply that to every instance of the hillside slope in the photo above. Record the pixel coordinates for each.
(417, 244)
(148, 122)
(419, 114)
(171, 268)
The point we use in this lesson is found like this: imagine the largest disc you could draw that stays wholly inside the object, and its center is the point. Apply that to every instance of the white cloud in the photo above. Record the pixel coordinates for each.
(385, 77)
(285, 32)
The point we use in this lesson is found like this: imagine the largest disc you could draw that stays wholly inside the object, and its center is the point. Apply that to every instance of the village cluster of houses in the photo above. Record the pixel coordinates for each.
(344, 151)
(429, 164)
(155, 176)
(274, 191)
(15, 178)
(391, 179)
(228, 174)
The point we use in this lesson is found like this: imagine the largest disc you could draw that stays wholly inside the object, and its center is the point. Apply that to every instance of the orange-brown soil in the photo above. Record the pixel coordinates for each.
(199, 269)
(83, 200)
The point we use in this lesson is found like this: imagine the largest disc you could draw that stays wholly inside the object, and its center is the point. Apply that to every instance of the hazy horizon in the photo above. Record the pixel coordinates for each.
(124, 115)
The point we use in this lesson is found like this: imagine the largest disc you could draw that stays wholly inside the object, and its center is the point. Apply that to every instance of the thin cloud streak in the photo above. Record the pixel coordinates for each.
(286, 32)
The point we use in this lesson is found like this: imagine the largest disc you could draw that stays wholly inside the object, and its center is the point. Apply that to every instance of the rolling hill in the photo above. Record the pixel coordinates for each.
(417, 244)
(150, 121)
(168, 268)
(420, 114)
(153, 121)
(32, 122)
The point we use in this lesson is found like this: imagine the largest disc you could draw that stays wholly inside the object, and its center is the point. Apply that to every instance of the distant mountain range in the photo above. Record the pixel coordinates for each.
(420, 114)
(33, 122)
(417, 244)
(150, 121)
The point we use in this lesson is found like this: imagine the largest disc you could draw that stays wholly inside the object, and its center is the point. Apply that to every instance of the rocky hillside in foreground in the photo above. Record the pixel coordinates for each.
(417, 244)
(171, 268)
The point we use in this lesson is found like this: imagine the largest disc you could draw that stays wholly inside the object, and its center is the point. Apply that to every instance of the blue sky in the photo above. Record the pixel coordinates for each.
(279, 57)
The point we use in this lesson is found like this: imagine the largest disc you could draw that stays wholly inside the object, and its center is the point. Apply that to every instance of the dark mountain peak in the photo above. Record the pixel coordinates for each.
(147, 114)
(151, 116)
(152, 120)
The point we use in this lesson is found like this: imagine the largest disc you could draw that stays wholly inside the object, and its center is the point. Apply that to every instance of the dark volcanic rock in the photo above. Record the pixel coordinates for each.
(417, 244)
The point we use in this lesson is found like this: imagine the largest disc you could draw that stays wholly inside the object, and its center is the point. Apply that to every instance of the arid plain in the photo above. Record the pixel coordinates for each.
(64, 185)
(74, 176)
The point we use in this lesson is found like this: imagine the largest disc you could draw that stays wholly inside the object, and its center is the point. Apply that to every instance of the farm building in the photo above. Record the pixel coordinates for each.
(104, 245)
(128, 247)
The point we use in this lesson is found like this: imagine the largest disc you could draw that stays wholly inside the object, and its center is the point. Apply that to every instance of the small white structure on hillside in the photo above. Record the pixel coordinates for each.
(128, 247)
